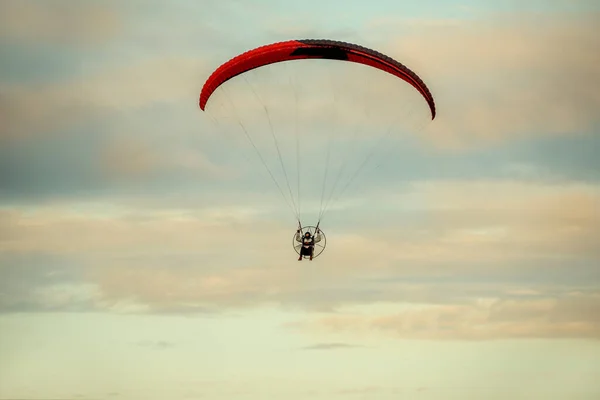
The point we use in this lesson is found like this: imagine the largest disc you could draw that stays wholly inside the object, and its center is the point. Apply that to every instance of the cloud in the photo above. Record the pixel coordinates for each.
(505, 76)
(30, 109)
(372, 389)
(364, 391)
(503, 216)
(442, 244)
(494, 79)
(159, 344)
(484, 220)
(33, 296)
(126, 157)
(330, 346)
(573, 315)
(130, 158)
(63, 22)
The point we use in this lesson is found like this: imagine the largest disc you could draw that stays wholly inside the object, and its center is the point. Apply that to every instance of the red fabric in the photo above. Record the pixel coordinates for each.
(296, 49)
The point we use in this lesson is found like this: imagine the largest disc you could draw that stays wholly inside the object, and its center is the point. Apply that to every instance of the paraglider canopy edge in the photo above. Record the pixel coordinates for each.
(312, 49)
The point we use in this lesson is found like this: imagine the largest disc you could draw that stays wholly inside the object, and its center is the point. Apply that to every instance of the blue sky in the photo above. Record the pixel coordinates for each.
(145, 252)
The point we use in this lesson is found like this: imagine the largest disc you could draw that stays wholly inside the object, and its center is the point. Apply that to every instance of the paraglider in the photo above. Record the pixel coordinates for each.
(307, 238)
(311, 49)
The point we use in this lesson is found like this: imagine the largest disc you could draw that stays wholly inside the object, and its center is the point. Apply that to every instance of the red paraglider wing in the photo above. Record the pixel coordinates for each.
(310, 48)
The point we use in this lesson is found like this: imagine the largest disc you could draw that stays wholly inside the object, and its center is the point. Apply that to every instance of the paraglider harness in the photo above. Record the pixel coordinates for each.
(308, 243)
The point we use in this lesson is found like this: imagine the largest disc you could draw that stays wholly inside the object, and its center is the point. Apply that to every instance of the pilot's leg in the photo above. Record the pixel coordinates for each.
(302, 253)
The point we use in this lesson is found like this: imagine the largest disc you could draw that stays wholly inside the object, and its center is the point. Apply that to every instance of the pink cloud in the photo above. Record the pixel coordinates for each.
(506, 76)
(34, 109)
(168, 258)
(130, 157)
(64, 22)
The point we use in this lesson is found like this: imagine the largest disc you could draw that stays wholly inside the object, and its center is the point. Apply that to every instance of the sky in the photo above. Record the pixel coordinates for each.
(146, 251)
